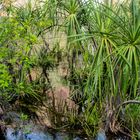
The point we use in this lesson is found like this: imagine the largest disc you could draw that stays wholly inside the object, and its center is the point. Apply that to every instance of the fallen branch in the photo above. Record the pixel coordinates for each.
(128, 102)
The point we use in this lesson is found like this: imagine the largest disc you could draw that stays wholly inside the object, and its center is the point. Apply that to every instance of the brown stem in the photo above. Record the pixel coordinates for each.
(47, 77)
(30, 76)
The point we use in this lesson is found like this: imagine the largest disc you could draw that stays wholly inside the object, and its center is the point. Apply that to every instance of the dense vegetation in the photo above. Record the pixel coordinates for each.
(102, 53)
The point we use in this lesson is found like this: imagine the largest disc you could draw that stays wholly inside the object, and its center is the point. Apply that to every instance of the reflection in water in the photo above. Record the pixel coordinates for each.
(11, 134)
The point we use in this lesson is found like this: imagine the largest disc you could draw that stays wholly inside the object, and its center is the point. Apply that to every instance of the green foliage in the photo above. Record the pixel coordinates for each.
(5, 78)
(20, 33)
(23, 117)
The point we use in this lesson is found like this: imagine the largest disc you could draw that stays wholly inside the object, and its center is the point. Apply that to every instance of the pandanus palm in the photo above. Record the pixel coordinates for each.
(116, 63)
(114, 70)
(70, 11)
